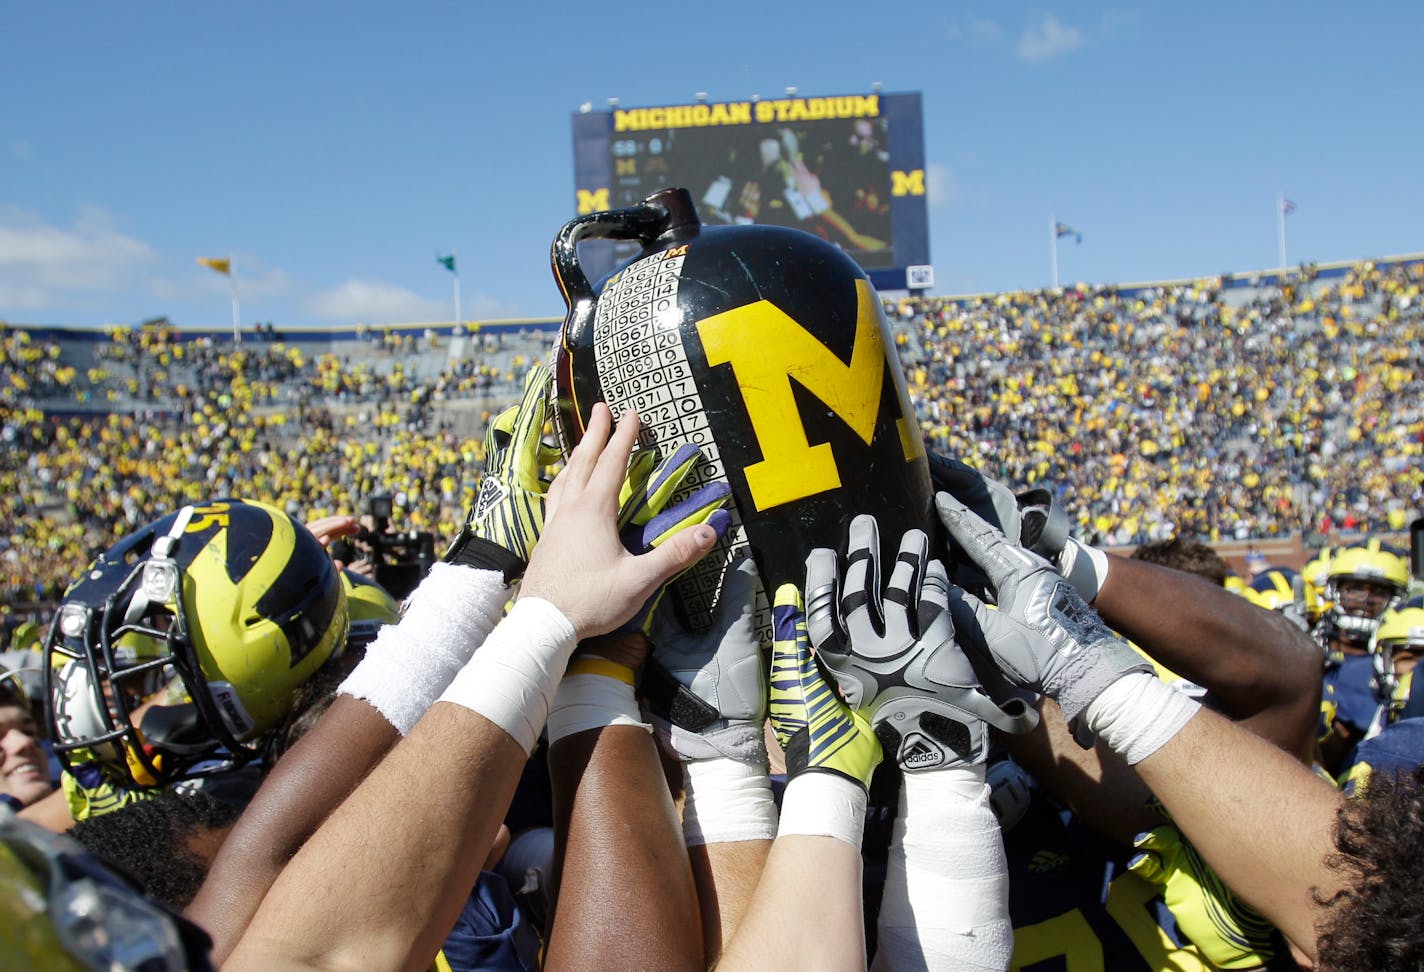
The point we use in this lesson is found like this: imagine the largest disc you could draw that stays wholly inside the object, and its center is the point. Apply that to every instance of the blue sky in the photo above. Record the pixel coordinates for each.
(332, 149)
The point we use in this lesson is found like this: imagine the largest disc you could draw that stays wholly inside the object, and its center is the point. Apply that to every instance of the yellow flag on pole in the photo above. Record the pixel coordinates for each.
(213, 263)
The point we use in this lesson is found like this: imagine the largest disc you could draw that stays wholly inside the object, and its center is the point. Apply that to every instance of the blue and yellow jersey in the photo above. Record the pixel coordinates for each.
(1075, 905)
(1398, 748)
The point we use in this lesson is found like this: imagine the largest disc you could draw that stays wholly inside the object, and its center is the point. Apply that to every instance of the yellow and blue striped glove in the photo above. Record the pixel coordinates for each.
(819, 732)
(504, 523)
(1228, 932)
(647, 514)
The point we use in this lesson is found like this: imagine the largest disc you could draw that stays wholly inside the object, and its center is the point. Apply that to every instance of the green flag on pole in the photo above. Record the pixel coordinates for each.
(448, 262)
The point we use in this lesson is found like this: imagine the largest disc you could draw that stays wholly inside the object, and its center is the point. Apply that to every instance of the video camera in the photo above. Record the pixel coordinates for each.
(402, 558)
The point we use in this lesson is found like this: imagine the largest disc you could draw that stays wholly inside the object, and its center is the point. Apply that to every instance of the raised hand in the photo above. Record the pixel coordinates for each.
(894, 655)
(707, 690)
(507, 517)
(819, 732)
(647, 515)
(1044, 636)
(581, 565)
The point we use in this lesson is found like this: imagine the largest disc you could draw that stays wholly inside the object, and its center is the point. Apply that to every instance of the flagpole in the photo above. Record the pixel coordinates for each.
(1053, 246)
(457, 287)
(1281, 231)
(232, 289)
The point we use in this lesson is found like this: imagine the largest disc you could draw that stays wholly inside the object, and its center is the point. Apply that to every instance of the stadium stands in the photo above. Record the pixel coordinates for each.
(1230, 408)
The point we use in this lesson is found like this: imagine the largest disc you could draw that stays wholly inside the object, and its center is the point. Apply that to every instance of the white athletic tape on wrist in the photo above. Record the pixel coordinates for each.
(1137, 714)
(819, 804)
(1084, 567)
(946, 902)
(512, 678)
(585, 702)
(410, 663)
(726, 800)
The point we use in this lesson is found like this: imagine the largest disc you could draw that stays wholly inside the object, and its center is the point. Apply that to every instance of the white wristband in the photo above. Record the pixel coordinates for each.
(820, 804)
(1084, 567)
(585, 702)
(726, 800)
(512, 678)
(1138, 714)
(410, 663)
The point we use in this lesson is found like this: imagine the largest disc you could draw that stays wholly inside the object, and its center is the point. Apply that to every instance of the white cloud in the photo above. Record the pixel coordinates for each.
(42, 264)
(1048, 38)
(941, 187)
(980, 29)
(375, 302)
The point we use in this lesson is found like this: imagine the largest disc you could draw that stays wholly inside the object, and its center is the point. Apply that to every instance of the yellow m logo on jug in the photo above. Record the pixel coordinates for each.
(767, 349)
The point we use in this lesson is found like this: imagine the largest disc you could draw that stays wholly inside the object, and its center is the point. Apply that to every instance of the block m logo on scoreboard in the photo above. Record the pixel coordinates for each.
(767, 350)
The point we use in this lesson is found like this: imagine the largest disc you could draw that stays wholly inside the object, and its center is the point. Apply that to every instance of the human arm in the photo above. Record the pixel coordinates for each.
(403, 672)
(831, 753)
(427, 841)
(1258, 817)
(706, 695)
(1262, 670)
(616, 829)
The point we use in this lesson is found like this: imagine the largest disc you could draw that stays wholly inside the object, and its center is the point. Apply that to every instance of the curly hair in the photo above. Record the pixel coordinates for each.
(1377, 922)
(148, 842)
(1191, 556)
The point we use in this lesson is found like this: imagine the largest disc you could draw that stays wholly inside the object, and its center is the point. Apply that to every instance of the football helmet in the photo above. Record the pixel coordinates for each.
(1316, 574)
(369, 606)
(1282, 589)
(182, 644)
(1397, 648)
(1362, 583)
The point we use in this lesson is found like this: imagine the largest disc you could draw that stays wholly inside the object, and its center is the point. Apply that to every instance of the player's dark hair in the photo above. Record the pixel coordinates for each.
(1377, 921)
(148, 842)
(1191, 556)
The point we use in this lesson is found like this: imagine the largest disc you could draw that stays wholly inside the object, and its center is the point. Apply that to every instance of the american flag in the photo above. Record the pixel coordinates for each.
(1287, 207)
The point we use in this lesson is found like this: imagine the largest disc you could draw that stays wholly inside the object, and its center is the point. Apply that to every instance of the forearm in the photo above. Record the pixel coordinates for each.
(1260, 668)
(726, 875)
(404, 671)
(426, 842)
(1260, 819)
(729, 818)
(292, 803)
(622, 854)
(399, 868)
(1095, 782)
(807, 912)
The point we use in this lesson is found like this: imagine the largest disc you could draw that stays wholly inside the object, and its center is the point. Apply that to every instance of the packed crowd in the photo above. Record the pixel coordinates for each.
(1184, 409)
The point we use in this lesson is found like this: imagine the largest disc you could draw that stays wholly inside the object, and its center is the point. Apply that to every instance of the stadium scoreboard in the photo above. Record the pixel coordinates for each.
(849, 168)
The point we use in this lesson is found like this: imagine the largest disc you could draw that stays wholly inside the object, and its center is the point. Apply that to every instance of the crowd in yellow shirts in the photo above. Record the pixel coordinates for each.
(1191, 409)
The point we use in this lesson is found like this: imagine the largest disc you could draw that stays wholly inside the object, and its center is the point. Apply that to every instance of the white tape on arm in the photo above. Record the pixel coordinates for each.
(1137, 714)
(512, 678)
(410, 663)
(946, 902)
(585, 702)
(726, 800)
(821, 804)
